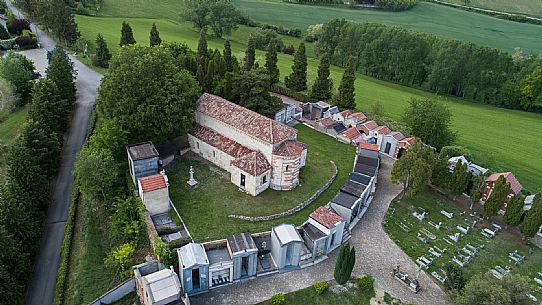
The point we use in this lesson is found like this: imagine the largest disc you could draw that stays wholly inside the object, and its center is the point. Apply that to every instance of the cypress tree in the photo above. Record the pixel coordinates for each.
(460, 178)
(48, 108)
(200, 76)
(203, 52)
(126, 35)
(345, 98)
(250, 54)
(495, 201)
(345, 264)
(271, 63)
(102, 56)
(514, 211)
(321, 89)
(228, 60)
(298, 79)
(62, 73)
(154, 36)
(533, 220)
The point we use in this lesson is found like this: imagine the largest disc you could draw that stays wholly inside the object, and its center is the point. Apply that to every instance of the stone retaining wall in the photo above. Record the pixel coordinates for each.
(295, 209)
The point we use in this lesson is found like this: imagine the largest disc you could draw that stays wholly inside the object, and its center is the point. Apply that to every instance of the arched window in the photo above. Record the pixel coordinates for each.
(287, 167)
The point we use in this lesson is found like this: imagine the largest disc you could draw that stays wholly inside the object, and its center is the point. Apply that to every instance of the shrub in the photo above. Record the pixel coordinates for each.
(320, 287)
(16, 26)
(7, 44)
(366, 282)
(4, 33)
(25, 42)
(290, 50)
(262, 38)
(277, 299)
(281, 89)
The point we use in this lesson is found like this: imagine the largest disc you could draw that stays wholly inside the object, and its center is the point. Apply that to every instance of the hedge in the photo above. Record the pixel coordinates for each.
(281, 89)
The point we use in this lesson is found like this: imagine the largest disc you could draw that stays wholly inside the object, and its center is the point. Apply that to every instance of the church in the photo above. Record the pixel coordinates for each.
(257, 151)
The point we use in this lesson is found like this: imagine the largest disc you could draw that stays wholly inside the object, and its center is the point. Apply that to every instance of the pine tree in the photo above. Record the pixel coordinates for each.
(48, 108)
(533, 220)
(203, 52)
(126, 35)
(62, 23)
(102, 56)
(345, 98)
(271, 63)
(460, 178)
(62, 73)
(478, 187)
(321, 89)
(250, 54)
(495, 201)
(228, 60)
(514, 211)
(200, 76)
(42, 144)
(345, 264)
(154, 36)
(298, 79)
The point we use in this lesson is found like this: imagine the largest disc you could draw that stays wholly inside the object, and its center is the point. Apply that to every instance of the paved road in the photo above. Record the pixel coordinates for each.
(377, 255)
(41, 289)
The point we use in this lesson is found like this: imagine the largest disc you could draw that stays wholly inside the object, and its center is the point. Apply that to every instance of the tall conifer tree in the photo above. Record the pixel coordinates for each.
(103, 55)
(496, 199)
(250, 54)
(271, 63)
(321, 89)
(154, 36)
(345, 98)
(126, 35)
(298, 79)
(228, 60)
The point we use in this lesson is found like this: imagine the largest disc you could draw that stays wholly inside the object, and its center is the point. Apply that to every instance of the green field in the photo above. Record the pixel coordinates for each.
(499, 138)
(403, 228)
(424, 17)
(205, 209)
(527, 7)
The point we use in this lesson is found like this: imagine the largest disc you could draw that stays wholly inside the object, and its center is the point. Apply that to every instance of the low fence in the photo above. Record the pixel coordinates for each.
(117, 293)
(295, 209)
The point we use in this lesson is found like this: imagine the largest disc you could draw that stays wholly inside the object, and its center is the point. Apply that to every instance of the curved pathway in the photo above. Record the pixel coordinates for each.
(377, 255)
(41, 289)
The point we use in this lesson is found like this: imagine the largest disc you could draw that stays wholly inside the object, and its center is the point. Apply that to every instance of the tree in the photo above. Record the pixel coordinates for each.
(119, 259)
(220, 15)
(345, 98)
(19, 71)
(460, 178)
(478, 187)
(414, 168)
(271, 63)
(97, 174)
(298, 79)
(321, 89)
(127, 225)
(250, 54)
(251, 90)
(455, 151)
(43, 144)
(126, 35)
(48, 108)
(485, 289)
(13, 266)
(531, 89)
(514, 210)
(345, 264)
(430, 121)
(8, 97)
(4, 33)
(163, 252)
(148, 96)
(61, 22)
(103, 55)
(109, 136)
(496, 199)
(154, 36)
(228, 59)
(533, 220)
(203, 52)
(62, 73)
(454, 276)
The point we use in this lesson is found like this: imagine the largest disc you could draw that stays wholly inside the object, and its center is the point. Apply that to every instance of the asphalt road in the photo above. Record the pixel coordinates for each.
(41, 290)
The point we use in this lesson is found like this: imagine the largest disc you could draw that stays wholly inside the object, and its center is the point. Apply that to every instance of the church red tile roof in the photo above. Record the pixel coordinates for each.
(290, 148)
(152, 183)
(219, 141)
(253, 163)
(244, 120)
(510, 178)
(326, 217)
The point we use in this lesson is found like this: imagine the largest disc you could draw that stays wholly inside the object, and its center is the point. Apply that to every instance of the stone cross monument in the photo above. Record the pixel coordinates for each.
(192, 182)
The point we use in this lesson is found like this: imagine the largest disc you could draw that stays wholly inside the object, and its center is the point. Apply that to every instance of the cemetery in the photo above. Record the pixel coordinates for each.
(434, 230)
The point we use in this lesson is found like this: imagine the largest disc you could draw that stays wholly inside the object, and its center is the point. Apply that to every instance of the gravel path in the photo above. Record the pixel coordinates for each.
(377, 254)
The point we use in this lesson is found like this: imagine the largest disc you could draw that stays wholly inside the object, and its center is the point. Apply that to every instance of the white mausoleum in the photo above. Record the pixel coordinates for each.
(257, 151)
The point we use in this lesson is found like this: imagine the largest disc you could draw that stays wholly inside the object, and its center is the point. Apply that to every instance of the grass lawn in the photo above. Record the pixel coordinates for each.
(309, 296)
(403, 229)
(205, 209)
(504, 140)
(424, 17)
(528, 7)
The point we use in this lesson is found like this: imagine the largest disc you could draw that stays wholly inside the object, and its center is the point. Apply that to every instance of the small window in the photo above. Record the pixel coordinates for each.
(287, 167)
(214, 154)
(264, 179)
(197, 145)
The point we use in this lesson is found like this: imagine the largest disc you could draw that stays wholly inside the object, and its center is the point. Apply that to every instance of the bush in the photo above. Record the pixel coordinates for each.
(7, 44)
(179, 242)
(290, 50)
(277, 299)
(454, 151)
(262, 38)
(281, 89)
(320, 287)
(16, 26)
(366, 282)
(4, 33)
(25, 42)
